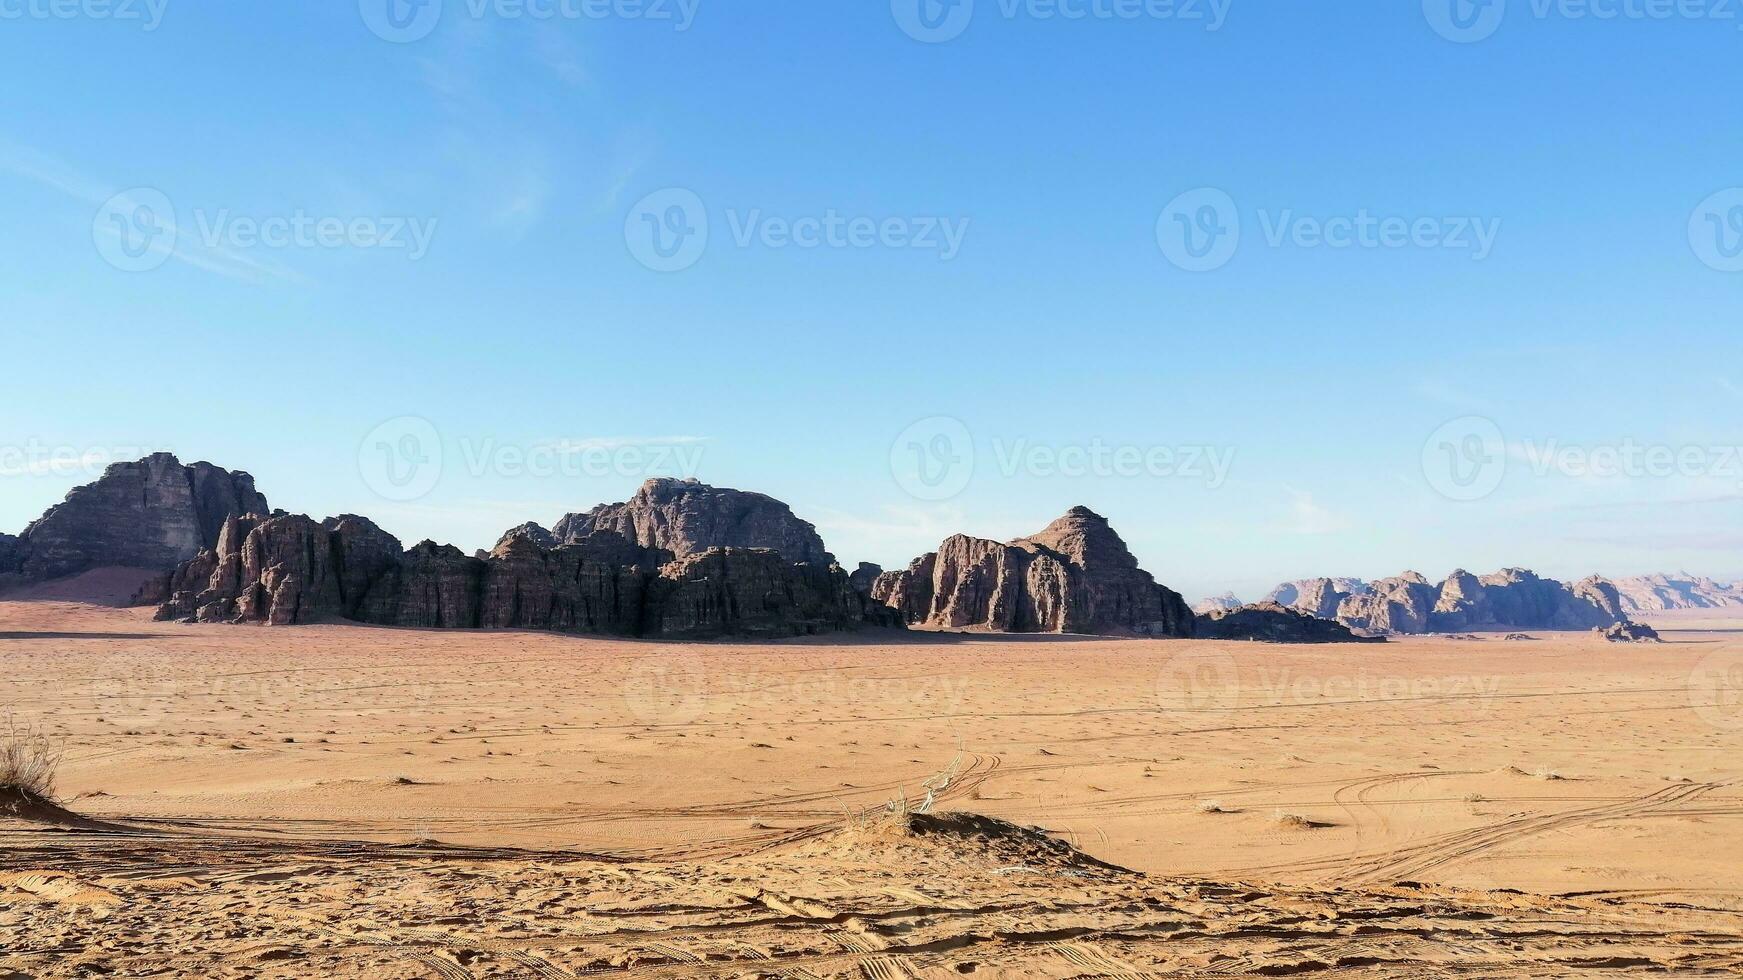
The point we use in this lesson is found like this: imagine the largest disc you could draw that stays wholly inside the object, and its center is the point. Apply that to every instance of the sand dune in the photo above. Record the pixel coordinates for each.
(344, 801)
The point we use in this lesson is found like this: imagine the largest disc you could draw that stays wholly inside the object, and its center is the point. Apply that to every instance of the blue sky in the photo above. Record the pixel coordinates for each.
(436, 239)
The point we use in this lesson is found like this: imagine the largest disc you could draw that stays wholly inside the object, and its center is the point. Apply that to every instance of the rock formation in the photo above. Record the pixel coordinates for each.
(1511, 599)
(1514, 599)
(865, 577)
(1393, 605)
(1311, 595)
(1629, 632)
(1217, 603)
(1666, 593)
(1076, 576)
(290, 569)
(1272, 622)
(686, 517)
(533, 532)
(151, 514)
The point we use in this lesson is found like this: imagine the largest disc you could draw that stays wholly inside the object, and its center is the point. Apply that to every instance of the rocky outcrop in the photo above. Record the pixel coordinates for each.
(1311, 595)
(1393, 605)
(1076, 576)
(1319, 597)
(1514, 599)
(749, 592)
(1669, 593)
(290, 569)
(1271, 622)
(151, 514)
(10, 557)
(1511, 599)
(865, 577)
(535, 533)
(1629, 632)
(1217, 603)
(686, 517)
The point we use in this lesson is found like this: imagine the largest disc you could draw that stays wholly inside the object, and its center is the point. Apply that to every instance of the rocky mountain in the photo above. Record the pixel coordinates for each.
(1515, 599)
(1075, 576)
(290, 569)
(1392, 605)
(1217, 603)
(1272, 622)
(1511, 599)
(1666, 593)
(150, 514)
(686, 517)
(1314, 595)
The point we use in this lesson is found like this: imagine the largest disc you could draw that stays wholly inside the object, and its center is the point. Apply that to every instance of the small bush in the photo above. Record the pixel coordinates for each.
(29, 761)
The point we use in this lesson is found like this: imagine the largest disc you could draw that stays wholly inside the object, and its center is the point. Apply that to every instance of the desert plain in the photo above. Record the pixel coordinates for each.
(349, 801)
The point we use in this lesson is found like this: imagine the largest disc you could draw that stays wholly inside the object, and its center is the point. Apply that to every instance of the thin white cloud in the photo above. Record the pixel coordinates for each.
(35, 165)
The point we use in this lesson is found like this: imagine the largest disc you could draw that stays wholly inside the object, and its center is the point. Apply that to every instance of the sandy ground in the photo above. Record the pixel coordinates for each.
(346, 801)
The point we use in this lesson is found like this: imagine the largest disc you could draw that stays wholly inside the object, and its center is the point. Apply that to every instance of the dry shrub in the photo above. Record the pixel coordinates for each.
(29, 760)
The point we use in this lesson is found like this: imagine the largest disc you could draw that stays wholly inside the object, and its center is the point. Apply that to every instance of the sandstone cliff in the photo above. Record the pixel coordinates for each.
(290, 569)
(1076, 576)
(1511, 599)
(1664, 593)
(686, 517)
(152, 514)
(1393, 605)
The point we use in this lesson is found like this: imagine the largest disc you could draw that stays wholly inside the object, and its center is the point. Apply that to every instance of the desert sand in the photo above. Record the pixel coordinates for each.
(344, 801)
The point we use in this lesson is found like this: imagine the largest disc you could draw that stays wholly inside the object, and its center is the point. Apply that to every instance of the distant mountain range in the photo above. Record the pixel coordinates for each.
(681, 559)
(1508, 599)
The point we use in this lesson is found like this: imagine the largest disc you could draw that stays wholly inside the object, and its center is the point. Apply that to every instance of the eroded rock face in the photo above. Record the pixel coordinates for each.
(750, 592)
(686, 517)
(535, 533)
(1660, 593)
(1310, 595)
(154, 513)
(1511, 599)
(1514, 598)
(1271, 622)
(1629, 632)
(1393, 605)
(1217, 603)
(9, 555)
(1075, 576)
(288, 570)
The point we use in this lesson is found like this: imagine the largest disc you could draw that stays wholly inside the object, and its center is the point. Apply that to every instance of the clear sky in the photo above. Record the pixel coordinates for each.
(913, 270)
